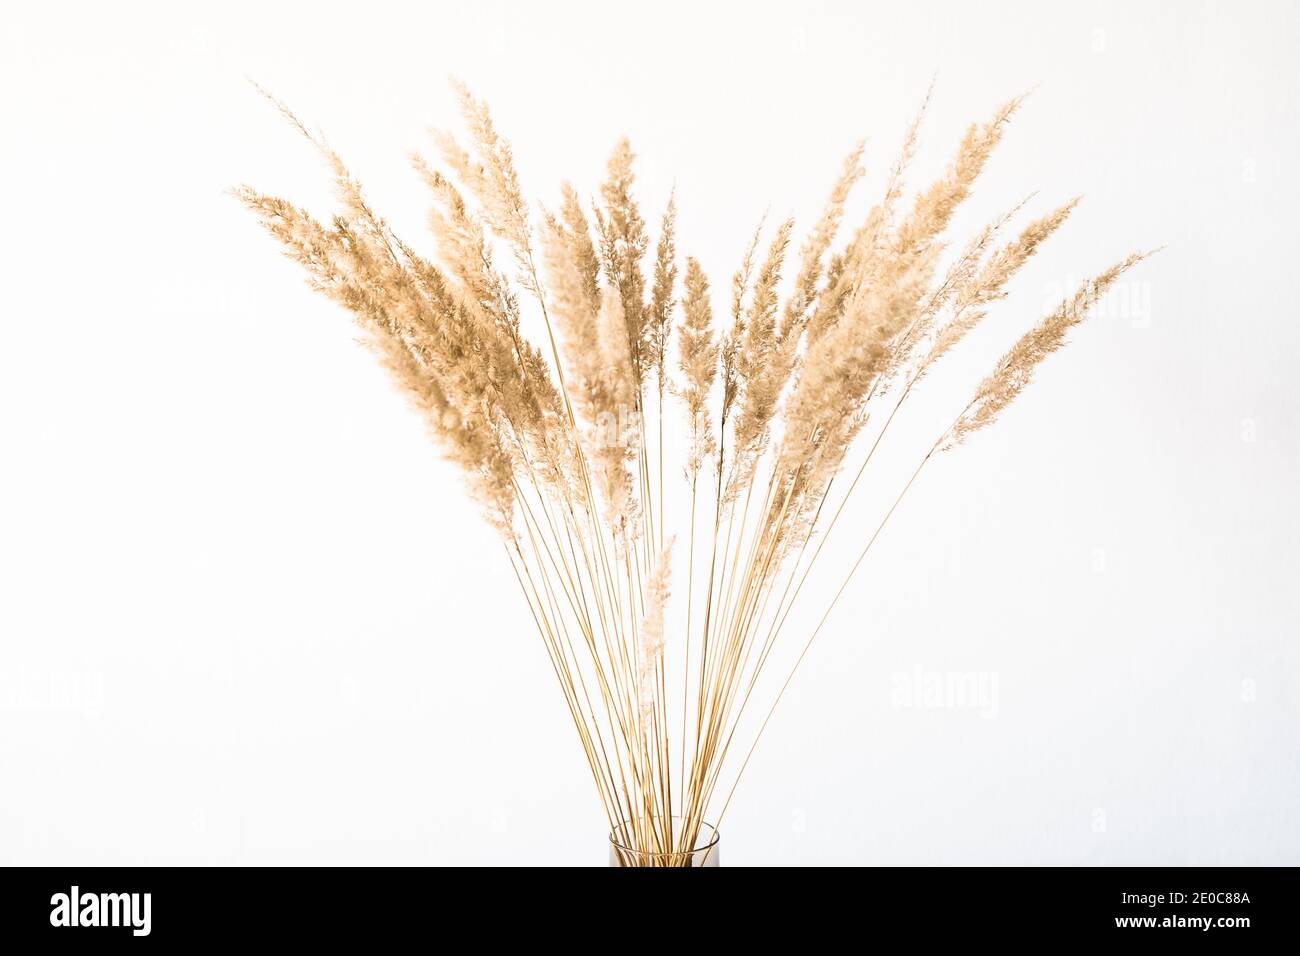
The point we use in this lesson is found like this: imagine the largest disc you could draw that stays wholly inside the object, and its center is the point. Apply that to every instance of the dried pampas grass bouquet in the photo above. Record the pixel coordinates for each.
(815, 342)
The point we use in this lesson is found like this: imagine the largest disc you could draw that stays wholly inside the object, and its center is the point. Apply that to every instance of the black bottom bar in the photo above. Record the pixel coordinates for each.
(386, 906)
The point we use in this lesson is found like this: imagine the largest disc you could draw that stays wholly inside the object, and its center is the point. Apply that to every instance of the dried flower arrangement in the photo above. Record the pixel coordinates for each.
(554, 440)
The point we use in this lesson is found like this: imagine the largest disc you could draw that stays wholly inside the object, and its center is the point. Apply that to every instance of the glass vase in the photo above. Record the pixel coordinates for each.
(705, 852)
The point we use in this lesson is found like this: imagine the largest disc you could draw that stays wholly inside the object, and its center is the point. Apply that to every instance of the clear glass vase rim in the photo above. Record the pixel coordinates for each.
(700, 848)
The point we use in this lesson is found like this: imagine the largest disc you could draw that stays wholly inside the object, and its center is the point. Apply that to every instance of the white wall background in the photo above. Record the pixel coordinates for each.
(246, 617)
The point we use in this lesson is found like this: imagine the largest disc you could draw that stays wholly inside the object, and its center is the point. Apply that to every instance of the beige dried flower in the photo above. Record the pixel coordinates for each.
(1014, 371)
(825, 411)
(659, 320)
(491, 177)
(413, 329)
(464, 251)
(731, 342)
(813, 251)
(698, 364)
(553, 449)
(850, 266)
(601, 378)
(758, 391)
(650, 645)
(989, 285)
(623, 243)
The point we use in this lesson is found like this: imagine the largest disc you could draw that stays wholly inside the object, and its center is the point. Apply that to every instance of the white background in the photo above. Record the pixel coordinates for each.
(247, 617)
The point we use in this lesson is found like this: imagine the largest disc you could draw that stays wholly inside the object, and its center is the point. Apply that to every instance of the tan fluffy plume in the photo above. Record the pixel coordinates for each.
(822, 335)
